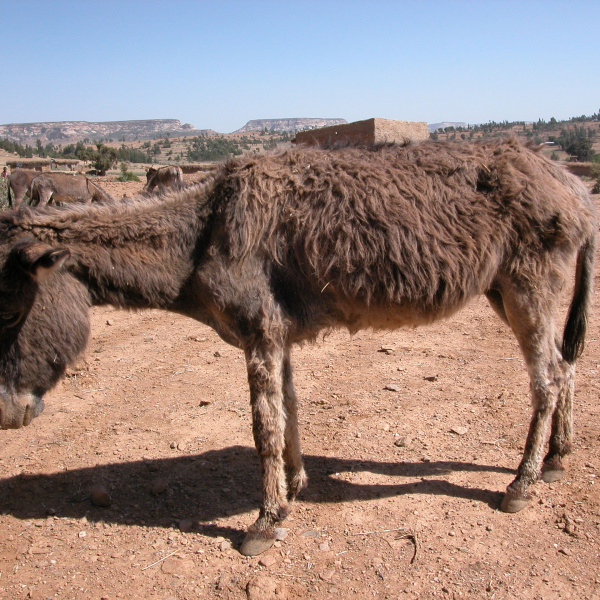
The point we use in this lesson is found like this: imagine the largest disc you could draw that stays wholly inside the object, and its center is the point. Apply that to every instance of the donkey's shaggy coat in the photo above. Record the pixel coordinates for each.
(273, 250)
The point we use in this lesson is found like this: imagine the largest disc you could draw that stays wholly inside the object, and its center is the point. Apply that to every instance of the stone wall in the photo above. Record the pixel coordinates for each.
(367, 132)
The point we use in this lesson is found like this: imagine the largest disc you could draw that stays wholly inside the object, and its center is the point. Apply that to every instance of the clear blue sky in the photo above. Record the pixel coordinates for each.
(217, 64)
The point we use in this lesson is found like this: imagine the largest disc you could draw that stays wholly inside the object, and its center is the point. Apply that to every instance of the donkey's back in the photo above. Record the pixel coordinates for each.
(402, 236)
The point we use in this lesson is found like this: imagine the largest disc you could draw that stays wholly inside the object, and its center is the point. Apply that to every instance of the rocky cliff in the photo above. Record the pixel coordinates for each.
(294, 125)
(69, 132)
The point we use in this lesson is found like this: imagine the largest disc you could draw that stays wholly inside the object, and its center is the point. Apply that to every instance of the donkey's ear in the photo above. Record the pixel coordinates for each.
(48, 262)
(39, 259)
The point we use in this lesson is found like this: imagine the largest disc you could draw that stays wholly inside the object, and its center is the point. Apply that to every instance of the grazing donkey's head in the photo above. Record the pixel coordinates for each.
(44, 325)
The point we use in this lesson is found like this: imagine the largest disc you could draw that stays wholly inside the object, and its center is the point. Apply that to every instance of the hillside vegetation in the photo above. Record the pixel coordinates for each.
(577, 138)
(573, 139)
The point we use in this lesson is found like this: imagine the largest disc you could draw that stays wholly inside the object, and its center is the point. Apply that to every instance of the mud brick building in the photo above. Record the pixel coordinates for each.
(368, 132)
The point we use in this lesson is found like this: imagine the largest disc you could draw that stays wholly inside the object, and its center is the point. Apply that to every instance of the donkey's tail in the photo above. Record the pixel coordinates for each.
(576, 325)
(8, 196)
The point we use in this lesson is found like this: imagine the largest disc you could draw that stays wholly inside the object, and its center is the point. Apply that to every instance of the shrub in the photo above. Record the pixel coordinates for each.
(127, 175)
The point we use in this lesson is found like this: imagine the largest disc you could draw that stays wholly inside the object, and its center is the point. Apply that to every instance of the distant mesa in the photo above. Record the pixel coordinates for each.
(290, 125)
(70, 132)
(435, 126)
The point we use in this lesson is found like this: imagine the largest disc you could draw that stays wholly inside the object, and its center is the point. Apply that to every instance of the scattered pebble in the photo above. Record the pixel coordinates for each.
(392, 387)
(176, 565)
(431, 378)
(310, 534)
(267, 561)
(159, 486)
(459, 430)
(280, 534)
(186, 525)
(386, 349)
(403, 441)
(327, 575)
(324, 547)
(99, 496)
(265, 588)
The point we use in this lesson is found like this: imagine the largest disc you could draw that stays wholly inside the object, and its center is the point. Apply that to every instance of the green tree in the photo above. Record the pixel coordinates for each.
(103, 158)
(39, 149)
(577, 143)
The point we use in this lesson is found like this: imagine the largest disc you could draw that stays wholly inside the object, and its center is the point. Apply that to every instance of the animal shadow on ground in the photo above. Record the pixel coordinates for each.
(213, 485)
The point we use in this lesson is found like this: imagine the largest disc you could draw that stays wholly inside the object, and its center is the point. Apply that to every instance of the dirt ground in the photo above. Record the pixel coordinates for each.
(140, 477)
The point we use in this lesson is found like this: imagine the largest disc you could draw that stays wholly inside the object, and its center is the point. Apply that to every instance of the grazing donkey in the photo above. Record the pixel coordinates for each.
(165, 177)
(19, 182)
(61, 188)
(274, 249)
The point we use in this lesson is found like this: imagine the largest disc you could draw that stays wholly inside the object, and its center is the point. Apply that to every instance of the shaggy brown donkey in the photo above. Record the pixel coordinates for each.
(274, 249)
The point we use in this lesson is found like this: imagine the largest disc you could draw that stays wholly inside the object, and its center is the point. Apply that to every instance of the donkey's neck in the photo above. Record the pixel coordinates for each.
(137, 255)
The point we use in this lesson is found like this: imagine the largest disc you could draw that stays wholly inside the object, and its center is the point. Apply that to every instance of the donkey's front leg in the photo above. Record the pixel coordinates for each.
(265, 363)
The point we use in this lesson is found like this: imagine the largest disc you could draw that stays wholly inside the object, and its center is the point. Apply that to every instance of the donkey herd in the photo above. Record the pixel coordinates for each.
(64, 188)
(271, 250)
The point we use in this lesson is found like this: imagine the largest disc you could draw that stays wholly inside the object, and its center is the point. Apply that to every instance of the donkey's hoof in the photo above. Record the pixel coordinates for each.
(514, 502)
(256, 542)
(296, 484)
(551, 473)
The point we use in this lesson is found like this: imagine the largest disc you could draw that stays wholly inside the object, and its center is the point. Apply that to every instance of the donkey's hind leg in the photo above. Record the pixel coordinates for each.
(296, 476)
(562, 421)
(529, 314)
(562, 427)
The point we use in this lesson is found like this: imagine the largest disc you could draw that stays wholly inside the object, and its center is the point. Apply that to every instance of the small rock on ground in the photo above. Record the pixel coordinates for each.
(265, 588)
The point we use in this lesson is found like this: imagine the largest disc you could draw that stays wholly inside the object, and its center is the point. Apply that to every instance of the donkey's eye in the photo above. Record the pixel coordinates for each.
(10, 319)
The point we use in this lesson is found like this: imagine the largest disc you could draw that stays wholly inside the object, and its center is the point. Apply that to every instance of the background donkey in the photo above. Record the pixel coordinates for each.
(61, 188)
(19, 183)
(163, 178)
(274, 249)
